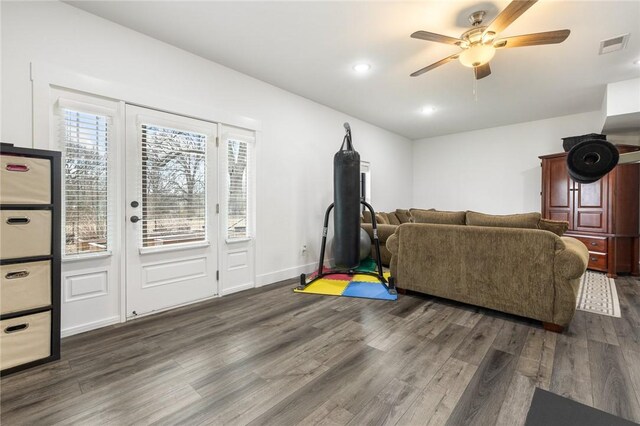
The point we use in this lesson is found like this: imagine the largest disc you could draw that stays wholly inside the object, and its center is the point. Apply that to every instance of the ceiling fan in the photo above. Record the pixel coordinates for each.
(479, 44)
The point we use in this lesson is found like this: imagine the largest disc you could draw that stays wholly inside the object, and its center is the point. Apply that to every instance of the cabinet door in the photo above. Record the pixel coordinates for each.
(557, 190)
(590, 212)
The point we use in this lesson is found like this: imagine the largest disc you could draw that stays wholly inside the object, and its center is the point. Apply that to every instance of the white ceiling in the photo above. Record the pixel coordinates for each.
(309, 48)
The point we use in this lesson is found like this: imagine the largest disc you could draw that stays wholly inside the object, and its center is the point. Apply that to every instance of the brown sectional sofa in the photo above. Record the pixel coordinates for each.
(507, 263)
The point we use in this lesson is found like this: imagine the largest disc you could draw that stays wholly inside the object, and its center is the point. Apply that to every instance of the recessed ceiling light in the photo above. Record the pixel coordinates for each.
(426, 110)
(361, 68)
(636, 62)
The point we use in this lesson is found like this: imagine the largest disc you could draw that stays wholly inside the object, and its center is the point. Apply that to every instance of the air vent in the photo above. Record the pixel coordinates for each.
(613, 44)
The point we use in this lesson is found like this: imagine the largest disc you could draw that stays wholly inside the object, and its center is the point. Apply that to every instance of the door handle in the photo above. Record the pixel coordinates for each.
(134, 219)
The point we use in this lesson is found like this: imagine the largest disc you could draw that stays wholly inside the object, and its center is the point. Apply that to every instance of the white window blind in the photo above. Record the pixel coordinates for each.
(237, 192)
(85, 142)
(173, 186)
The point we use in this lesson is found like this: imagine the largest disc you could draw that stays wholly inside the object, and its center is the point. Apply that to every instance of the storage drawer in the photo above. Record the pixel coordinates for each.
(25, 339)
(593, 243)
(598, 261)
(25, 286)
(25, 233)
(25, 180)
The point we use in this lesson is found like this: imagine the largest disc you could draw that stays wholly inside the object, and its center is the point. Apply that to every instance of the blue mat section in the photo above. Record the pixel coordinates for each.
(368, 290)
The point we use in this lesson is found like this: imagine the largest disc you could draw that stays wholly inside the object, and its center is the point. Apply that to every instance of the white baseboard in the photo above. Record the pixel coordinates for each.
(89, 326)
(225, 291)
(285, 274)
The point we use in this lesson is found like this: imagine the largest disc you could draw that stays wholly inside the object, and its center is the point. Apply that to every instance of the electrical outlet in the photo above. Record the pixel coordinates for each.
(304, 250)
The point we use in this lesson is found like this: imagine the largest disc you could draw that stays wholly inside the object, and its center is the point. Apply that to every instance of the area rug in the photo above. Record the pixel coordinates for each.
(358, 285)
(598, 295)
(549, 409)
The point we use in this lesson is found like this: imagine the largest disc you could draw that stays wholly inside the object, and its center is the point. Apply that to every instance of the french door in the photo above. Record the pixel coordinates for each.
(171, 222)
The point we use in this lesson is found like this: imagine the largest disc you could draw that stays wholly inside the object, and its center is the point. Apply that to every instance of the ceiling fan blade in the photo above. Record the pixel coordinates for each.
(509, 14)
(439, 38)
(435, 65)
(482, 71)
(549, 37)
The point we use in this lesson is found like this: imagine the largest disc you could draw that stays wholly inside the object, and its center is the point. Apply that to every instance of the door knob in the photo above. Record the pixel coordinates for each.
(134, 219)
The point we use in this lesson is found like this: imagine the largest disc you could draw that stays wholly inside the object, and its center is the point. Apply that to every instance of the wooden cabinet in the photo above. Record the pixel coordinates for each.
(29, 257)
(603, 215)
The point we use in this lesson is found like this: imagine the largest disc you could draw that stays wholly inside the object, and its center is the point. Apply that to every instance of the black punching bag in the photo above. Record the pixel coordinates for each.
(346, 193)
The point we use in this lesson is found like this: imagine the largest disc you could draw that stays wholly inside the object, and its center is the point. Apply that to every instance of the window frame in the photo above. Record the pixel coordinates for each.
(183, 124)
(250, 140)
(109, 110)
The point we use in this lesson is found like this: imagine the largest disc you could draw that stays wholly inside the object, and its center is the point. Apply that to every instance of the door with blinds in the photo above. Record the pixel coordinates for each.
(171, 226)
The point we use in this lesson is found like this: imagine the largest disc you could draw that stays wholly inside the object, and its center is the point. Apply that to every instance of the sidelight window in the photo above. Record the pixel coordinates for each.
(85, 140)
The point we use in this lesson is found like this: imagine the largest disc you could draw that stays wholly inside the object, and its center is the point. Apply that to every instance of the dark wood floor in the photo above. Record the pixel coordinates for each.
(269, 356)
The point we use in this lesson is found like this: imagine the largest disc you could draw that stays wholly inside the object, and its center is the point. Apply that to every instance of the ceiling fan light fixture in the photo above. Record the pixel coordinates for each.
(476, 55)
(488, 37)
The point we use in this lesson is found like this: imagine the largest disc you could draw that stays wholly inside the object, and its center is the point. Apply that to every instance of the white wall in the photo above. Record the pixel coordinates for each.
(295, 147)
(495, 170)
(623, 97)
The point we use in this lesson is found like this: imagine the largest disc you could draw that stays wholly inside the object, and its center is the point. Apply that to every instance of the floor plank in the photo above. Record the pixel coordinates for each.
(536, 357)
(516, 404)
(571, 375)
(612, 388)
(482, 400)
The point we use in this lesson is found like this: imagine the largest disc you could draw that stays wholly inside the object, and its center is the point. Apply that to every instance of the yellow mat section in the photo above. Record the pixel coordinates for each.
(369, 278)
(364, 278)
(325, 286)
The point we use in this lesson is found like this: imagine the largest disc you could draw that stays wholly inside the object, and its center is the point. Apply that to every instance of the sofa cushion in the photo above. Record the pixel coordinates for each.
(366, 216)
(438, 217)
(393, 219)
(381, 218)
(404, 216)
(523, 220)
(558, 227)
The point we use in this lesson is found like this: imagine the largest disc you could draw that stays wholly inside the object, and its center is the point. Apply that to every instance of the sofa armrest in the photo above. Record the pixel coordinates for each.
(392, 244)
(384, 231)
(571, 261)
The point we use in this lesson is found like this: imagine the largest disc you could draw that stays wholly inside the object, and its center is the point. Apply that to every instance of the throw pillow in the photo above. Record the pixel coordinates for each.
(381, 218)
(393, 219)
(366, 216)
(404, 216)
(438, 217)
(558, 227)
(524, 220)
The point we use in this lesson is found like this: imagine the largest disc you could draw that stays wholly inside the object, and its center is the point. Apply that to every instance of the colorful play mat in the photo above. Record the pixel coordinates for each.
(357, 285)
